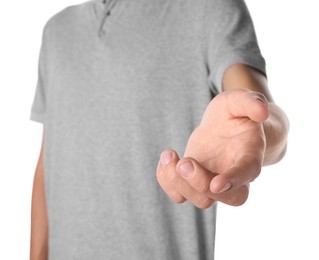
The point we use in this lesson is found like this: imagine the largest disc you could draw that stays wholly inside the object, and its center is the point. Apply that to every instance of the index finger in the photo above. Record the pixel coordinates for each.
(196, 175)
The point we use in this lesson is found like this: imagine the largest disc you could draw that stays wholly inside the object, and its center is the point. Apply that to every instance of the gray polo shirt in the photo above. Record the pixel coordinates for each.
(119, 82)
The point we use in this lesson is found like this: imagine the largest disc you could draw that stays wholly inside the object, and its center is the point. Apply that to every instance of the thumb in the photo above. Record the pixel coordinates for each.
(237, 103)
(247, 103)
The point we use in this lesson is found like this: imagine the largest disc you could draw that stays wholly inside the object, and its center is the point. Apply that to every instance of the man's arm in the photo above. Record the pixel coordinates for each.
(39, 222)
(277, 125)
(242, 129)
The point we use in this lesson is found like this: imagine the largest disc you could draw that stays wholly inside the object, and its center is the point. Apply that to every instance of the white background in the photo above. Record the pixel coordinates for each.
(279, 221)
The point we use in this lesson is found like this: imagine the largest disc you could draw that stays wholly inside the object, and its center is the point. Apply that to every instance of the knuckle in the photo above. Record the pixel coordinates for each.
(240, 198)
(177, 198)
(203, 187)
(204, 203)
(237, 201)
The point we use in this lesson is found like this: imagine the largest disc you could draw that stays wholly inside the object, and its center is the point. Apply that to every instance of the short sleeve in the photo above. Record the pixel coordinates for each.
(38, 108)
(231, 39)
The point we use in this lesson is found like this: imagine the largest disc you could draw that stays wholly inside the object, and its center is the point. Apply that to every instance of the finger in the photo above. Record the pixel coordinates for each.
(199, 178)
(195, 175)
(175, 186)
(199, 200)
(167, 177)
(233, 197)
(246, 103)
(246, 170)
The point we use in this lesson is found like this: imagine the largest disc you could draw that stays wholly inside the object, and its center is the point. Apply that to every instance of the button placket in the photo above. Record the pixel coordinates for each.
(109, 4)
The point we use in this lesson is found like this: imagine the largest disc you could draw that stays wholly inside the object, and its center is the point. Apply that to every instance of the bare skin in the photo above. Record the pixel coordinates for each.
(230, 146)
(241, 130)
(39, 220)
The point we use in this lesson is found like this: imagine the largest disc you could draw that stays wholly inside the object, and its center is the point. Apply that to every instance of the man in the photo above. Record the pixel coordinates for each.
(119, 83)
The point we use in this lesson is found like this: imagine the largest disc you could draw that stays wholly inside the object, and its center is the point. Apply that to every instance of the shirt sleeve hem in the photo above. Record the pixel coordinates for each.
(37, 117)
(255, 62)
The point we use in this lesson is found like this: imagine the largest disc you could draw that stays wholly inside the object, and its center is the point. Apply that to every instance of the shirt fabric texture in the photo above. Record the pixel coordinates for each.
(118, 83)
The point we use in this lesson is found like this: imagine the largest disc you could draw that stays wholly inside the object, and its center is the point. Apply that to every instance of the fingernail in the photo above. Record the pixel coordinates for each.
(261, 100)
(186, 169)
(166, 157)
(226, 187)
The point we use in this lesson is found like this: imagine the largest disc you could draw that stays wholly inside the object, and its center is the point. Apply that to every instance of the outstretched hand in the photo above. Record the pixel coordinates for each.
(223, 155)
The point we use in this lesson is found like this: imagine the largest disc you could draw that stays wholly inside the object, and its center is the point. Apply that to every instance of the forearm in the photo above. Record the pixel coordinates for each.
(276, 131)
(39, 223)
